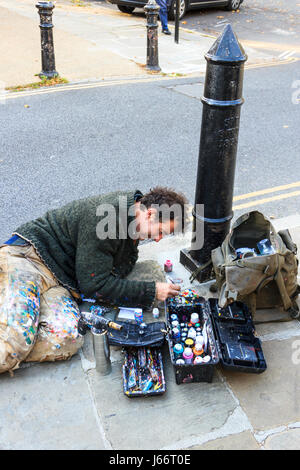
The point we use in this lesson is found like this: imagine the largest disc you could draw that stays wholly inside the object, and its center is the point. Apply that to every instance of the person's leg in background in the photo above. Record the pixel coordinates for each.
(163, 14)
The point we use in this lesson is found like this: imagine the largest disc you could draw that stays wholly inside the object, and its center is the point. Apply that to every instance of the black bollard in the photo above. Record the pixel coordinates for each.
(152, 10)
(45, 10)
(222, 102)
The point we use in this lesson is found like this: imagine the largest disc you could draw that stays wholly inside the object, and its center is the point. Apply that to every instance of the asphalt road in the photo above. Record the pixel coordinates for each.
(63, 146)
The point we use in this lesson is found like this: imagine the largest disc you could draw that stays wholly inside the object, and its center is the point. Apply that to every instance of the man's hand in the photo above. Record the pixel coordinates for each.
(165, 290)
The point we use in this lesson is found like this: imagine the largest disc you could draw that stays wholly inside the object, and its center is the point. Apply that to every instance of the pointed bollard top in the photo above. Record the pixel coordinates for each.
(151, 6)
(226, 48)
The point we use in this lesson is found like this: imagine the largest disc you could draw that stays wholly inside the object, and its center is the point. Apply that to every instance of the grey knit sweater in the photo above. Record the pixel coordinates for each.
(67, 242)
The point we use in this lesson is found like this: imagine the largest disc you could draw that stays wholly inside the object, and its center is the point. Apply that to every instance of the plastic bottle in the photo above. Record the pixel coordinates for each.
(199, 341)
(192, 333)
(168, 266)
(198, 360)
(194, 318)
(155, 313)
(178, 351)
(188, 355)
(198, 350)
(265, 247)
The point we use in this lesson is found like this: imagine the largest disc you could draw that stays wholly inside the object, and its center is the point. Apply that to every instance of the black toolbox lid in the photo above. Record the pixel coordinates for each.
(239, 348)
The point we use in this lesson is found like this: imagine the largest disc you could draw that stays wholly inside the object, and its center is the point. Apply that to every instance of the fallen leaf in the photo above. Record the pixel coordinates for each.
(183, 22)
(26, 106)
(220, 17)
(285, 126)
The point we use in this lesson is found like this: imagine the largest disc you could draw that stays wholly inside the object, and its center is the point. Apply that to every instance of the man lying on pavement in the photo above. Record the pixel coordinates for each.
(87, 247)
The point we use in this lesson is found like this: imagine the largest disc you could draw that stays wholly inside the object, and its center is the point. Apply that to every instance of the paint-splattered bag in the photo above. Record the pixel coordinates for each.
(57, 337)
(38, 318)
(19, 315)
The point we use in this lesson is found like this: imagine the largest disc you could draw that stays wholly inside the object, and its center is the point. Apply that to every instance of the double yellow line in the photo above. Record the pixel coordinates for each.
(265, 200)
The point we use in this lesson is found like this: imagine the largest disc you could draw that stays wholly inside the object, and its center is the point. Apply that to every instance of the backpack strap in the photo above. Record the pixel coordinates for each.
(243, 263)
(199, 269)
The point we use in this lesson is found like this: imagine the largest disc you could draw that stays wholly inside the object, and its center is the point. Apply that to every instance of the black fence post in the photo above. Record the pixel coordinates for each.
(45, 10)
(152, 10)
(222, 102)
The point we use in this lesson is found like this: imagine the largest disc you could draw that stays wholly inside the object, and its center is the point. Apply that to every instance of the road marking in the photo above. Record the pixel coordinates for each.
(82, 86)
(272, 64)
(286, 54)
(259, 202)
(266, 191)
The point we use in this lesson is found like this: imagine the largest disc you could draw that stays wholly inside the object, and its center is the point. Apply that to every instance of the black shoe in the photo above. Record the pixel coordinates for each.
(166, 31)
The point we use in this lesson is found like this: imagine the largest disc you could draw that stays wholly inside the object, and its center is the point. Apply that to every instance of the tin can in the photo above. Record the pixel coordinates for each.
(173, 317)
(138, 315)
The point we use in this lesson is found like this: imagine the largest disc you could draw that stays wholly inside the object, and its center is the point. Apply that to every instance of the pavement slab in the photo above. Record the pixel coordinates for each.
(271, 399)
(48, 406)
(76, 58)
(94, 42)
(241, 441)
(286, 440)
(184, 415)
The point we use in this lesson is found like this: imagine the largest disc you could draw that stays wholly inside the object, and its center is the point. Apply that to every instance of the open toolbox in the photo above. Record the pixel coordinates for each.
(143, 373)
(225, 335)
(239, 348)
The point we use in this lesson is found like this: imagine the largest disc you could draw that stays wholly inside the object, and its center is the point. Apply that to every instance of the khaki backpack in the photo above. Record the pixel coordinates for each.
(262, 281)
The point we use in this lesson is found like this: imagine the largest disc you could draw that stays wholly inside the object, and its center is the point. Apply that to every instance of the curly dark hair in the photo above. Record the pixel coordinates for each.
(162, 198)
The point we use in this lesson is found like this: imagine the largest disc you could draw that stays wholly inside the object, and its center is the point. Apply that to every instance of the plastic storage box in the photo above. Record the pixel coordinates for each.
(230, 338)
(143, 373)
(186, 373)
(239, 348)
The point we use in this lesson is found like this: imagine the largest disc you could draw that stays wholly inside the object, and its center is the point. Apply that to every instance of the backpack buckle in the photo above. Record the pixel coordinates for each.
(266, 270)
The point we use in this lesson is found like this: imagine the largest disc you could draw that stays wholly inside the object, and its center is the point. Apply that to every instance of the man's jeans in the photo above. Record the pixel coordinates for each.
(163, 13)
